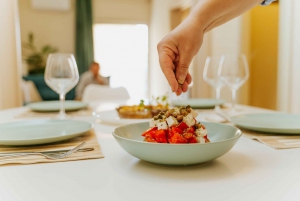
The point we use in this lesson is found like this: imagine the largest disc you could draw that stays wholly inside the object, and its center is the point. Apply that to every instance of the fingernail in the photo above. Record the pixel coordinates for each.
(181, 79)
(173, 89)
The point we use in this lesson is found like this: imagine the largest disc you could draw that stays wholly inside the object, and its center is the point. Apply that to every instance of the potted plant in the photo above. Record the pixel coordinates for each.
(36, 59)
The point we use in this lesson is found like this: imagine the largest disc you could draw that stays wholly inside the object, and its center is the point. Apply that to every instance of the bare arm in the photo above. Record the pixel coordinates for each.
(178, 48)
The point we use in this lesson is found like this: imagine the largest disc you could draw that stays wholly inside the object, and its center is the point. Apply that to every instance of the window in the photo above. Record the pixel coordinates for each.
(122, 51)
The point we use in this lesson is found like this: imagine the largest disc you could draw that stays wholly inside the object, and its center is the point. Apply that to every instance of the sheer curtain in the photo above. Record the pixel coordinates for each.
(288, 86)
(84, 35)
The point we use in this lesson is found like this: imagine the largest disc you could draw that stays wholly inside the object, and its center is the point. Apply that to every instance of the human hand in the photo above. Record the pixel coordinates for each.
(176, 52)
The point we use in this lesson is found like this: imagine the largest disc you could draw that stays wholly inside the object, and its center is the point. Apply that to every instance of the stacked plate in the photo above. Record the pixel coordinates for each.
(269, 122)
(198, 103)
(35, 132)
(53, 106)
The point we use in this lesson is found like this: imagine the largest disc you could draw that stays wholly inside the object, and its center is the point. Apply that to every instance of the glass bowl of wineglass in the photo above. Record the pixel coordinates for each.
(211, 75)
(234, 72)
(61, 75)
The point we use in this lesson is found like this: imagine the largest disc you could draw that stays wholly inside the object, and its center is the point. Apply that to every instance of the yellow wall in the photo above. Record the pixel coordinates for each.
(263, 56)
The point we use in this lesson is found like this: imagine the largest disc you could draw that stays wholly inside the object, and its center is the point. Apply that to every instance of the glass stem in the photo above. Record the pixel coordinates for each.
(218, 91)
(233, 100)
(62, 113)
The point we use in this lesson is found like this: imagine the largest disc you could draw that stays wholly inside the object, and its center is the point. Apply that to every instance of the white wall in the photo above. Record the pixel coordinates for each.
(160, 26)
(10, 57)
(289, 61)
(56, 28)
(224, 39)
(121, 11)
(228, 38)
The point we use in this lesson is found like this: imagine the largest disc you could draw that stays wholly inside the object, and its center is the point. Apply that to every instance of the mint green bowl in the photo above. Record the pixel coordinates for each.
(222, 137)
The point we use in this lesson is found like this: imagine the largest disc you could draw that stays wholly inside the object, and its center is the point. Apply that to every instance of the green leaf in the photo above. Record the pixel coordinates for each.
(30, 38)
(142, 103)
(36, 60)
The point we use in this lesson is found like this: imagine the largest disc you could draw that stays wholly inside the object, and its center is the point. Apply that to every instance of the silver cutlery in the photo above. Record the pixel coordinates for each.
(58, 154)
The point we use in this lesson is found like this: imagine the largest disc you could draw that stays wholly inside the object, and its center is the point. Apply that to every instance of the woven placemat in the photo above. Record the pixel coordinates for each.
(276, 141)
(89, 137)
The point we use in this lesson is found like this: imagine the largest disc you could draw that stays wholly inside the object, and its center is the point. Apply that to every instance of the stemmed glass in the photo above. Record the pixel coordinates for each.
(61, 75)
(211, 74)
(234, 72)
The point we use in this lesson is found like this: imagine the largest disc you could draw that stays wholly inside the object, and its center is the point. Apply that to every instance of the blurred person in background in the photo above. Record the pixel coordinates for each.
(178, 48)
(92, 76)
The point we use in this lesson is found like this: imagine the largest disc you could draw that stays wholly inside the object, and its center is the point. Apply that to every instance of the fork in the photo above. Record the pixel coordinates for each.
(49, 155)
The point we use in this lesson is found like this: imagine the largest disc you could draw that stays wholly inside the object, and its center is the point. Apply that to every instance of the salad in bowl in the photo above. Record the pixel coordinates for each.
(176, 126)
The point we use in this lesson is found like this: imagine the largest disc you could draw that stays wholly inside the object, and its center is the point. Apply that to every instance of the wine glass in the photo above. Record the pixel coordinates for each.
(211, 76)
(234, 72)
(61, 75)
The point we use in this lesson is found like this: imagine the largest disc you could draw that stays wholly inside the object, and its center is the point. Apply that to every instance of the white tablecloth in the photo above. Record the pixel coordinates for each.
(250, 171)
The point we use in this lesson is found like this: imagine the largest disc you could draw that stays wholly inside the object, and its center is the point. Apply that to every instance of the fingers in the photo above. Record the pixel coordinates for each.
(182, 88)
(166, 61)
(175, 65)
(170, 75)
(183, 65)
(189, 79)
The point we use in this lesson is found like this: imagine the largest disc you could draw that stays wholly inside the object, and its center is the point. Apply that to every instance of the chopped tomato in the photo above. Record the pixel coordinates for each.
(190, 130)
(177, 130)
(180, 134)
(149, 132)
(149, 139)
(182, 126)
(178, 139)
(193, 140)
(206, 139)
(161, 136)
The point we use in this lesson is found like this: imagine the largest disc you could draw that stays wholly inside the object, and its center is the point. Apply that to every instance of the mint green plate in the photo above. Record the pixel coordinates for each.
(53, 106)
(268, 122)
(198, 103)
(35, 132)
(222, 137)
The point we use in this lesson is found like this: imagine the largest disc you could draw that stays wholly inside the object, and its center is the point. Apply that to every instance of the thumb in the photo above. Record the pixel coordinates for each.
(182, 67)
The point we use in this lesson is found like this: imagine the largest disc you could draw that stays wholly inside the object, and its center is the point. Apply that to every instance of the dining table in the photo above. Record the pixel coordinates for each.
(249, 171)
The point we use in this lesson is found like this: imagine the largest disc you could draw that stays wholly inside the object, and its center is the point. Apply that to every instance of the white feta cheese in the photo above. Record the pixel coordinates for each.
(194, 113)
(201, 140)
(171, 121)
(162, 125)
(189, 120)
(153, 123)
(201, 132)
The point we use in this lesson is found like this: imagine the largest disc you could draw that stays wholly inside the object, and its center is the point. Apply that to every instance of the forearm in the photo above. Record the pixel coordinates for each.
(177, 49)
(209, 14)
(100, 80)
